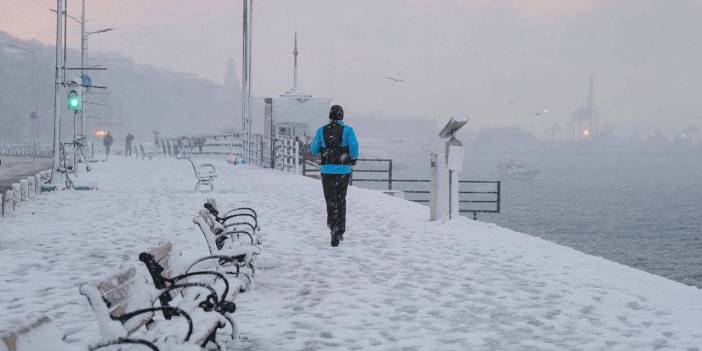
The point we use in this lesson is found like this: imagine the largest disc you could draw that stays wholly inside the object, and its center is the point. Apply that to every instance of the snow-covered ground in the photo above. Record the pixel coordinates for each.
(398, 282)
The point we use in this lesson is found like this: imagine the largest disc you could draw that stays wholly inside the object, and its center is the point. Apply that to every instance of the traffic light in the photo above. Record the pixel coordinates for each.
(73, 100)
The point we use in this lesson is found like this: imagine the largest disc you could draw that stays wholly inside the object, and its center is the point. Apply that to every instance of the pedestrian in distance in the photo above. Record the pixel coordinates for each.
(128, 145)
(338, 146)
(107, 141)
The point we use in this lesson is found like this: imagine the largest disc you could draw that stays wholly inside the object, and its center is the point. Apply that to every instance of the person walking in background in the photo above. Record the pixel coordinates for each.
(338, 146)
(128, 145)
(107, 141)
(156, 142)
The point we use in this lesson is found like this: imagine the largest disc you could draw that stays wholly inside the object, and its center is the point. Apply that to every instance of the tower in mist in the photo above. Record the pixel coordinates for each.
(584, 119)
(295, 113)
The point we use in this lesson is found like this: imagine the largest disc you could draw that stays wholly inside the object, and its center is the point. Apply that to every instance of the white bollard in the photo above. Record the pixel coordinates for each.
(32, 187)
(37, 184)
(8, 203)
(17, 193)
(24, 186)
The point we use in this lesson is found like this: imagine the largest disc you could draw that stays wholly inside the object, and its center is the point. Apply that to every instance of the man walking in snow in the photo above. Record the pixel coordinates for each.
(338, 146)
(107, 141)
(128, 145)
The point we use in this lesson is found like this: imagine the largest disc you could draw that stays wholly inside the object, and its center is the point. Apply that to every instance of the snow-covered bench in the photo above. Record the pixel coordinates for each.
(36, 335)
(147, 151)
(125, 305)
(205, 174)
(221, 272)
(226, 236)
(241, 218)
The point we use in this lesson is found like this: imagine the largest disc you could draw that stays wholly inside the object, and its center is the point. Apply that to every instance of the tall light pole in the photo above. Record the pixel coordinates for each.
(246, 81)
(57, 92)
(84, 34)
(83, 63)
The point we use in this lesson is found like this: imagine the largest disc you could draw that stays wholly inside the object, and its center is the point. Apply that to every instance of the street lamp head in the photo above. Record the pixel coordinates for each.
(99, 31)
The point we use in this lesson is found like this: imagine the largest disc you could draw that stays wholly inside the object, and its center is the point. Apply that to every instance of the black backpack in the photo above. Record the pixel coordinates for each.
(333, 153)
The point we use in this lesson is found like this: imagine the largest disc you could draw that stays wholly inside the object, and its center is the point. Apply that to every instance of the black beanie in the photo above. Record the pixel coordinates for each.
(336, 113)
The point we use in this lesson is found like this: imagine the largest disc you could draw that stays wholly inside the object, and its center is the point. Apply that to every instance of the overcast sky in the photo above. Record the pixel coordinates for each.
(455, 55)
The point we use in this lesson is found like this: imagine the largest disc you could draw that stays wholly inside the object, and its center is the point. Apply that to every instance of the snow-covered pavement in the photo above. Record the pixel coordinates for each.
(397, 282)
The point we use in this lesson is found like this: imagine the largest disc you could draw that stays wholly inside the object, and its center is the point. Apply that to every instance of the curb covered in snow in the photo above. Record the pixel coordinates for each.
(21, 192)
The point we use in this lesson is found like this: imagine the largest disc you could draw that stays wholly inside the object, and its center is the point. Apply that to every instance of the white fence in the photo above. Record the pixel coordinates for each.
(287, 154)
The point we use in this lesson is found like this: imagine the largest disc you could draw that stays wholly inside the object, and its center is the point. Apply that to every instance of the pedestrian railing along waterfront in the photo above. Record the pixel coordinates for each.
(475, 196)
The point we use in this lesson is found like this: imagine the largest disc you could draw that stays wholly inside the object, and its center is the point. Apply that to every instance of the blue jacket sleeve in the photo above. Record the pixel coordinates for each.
(353, 144)
(316, 145)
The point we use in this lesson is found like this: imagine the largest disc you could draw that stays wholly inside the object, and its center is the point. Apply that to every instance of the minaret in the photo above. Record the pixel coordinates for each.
(295, 52)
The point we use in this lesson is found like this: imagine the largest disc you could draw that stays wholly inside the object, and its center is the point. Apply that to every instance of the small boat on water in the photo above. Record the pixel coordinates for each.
(516, 171)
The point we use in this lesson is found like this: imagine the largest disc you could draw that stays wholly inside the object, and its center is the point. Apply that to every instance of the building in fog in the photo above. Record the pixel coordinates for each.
(295, 113)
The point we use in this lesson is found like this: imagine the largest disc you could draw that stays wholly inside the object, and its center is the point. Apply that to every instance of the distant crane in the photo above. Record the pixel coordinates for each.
(584, 119)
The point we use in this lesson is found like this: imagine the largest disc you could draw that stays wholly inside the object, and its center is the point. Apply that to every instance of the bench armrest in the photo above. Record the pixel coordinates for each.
(227, 217)
(211, 168)
(216, 274)
(222, 259)
(222, 237)
(229, 225)
(171, 310)
(248, 209)
(120, 341)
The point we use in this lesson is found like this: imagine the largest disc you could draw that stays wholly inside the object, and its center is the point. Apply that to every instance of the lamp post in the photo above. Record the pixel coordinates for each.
(83, 56)
(57, 92)
(246, 81)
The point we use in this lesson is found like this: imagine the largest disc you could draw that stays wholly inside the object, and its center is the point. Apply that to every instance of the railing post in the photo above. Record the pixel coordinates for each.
(499, 192)
(390, 175)
(297, 157)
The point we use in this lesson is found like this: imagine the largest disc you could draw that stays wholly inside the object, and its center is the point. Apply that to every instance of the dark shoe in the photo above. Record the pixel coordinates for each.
(334, 240)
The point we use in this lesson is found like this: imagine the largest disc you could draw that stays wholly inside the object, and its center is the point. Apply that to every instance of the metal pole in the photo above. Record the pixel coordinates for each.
(390, 175)
(249, 81)
(244, 81)
(83, 64)
(75, 136)
(57, 92)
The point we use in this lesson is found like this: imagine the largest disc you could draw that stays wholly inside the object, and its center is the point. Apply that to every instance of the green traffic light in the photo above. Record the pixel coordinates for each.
(73, 100)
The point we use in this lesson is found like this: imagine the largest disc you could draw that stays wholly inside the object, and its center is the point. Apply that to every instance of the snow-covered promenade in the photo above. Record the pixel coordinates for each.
(398, 282)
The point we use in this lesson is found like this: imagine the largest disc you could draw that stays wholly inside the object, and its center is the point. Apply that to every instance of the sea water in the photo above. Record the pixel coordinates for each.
(638, 207)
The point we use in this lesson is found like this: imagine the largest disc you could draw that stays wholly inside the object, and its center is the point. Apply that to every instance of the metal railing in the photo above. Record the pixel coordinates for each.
(483, 199)
(475, 196)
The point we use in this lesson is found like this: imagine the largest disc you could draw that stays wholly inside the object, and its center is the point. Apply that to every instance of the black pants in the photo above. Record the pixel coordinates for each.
(335, 186)
(128, 150)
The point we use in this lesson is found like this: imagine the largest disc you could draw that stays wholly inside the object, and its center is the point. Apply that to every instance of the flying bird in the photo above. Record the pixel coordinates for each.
(395, 80)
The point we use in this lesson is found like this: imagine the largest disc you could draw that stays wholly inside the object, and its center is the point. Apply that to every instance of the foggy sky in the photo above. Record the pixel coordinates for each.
(456, 55)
